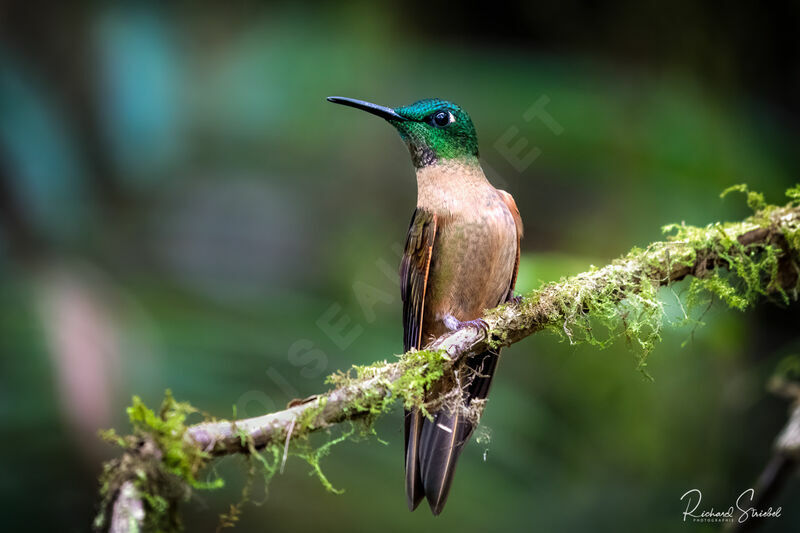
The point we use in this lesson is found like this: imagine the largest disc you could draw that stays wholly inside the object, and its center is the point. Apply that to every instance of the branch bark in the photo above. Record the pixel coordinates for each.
(128, 511)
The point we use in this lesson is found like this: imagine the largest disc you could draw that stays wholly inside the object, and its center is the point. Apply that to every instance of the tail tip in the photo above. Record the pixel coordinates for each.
(437, 509)
(437, 505)
(413, 503)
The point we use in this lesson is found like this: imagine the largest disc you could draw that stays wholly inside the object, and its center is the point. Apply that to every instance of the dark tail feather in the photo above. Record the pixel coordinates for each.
(440, 446)
(440, 441)
(414, 490)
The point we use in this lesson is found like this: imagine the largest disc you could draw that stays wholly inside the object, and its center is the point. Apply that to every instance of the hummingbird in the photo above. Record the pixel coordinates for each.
(461, 257)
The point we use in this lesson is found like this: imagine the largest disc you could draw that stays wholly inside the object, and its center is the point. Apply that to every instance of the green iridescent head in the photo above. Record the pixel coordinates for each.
(433, 129)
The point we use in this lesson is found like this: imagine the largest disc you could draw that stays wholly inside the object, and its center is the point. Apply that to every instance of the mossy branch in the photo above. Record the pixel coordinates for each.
(764, 247)
(738, 262)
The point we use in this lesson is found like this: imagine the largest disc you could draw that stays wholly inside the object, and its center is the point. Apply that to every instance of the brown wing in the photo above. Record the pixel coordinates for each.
(512, 206)
(414, 270)
(414, 275)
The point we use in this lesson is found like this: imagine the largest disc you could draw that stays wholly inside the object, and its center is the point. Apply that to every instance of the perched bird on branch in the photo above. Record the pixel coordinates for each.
(461, 258)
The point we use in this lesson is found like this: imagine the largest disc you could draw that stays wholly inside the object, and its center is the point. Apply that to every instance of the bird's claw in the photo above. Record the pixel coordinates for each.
(480, 325)
(515, 299)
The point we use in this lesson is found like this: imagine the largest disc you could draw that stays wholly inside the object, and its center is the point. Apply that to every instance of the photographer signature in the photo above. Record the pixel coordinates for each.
(741, 511)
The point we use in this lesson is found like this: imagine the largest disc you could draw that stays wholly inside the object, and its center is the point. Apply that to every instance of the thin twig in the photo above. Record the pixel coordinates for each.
(286, 446)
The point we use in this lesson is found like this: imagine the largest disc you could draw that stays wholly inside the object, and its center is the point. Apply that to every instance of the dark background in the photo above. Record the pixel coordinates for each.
(181, 209)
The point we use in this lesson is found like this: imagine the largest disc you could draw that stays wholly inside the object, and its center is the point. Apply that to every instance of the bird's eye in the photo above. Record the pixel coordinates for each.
(440, 119)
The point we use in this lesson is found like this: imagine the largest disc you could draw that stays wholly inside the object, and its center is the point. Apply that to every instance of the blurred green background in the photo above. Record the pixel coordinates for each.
(180, 208)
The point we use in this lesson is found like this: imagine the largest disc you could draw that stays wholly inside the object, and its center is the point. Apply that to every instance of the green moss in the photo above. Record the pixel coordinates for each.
(167, 428)
(601, 305)
(420, 369)
(160, 464)
(308, 419)
(258, 461)
(622, 300)
(755, 200)
(750, 271)
(313, 458)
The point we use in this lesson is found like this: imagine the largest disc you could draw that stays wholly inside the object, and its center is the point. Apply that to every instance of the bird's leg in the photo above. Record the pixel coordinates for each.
(454, 324)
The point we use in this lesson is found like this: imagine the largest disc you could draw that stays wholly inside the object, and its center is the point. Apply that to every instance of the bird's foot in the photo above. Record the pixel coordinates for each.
(454, 324)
